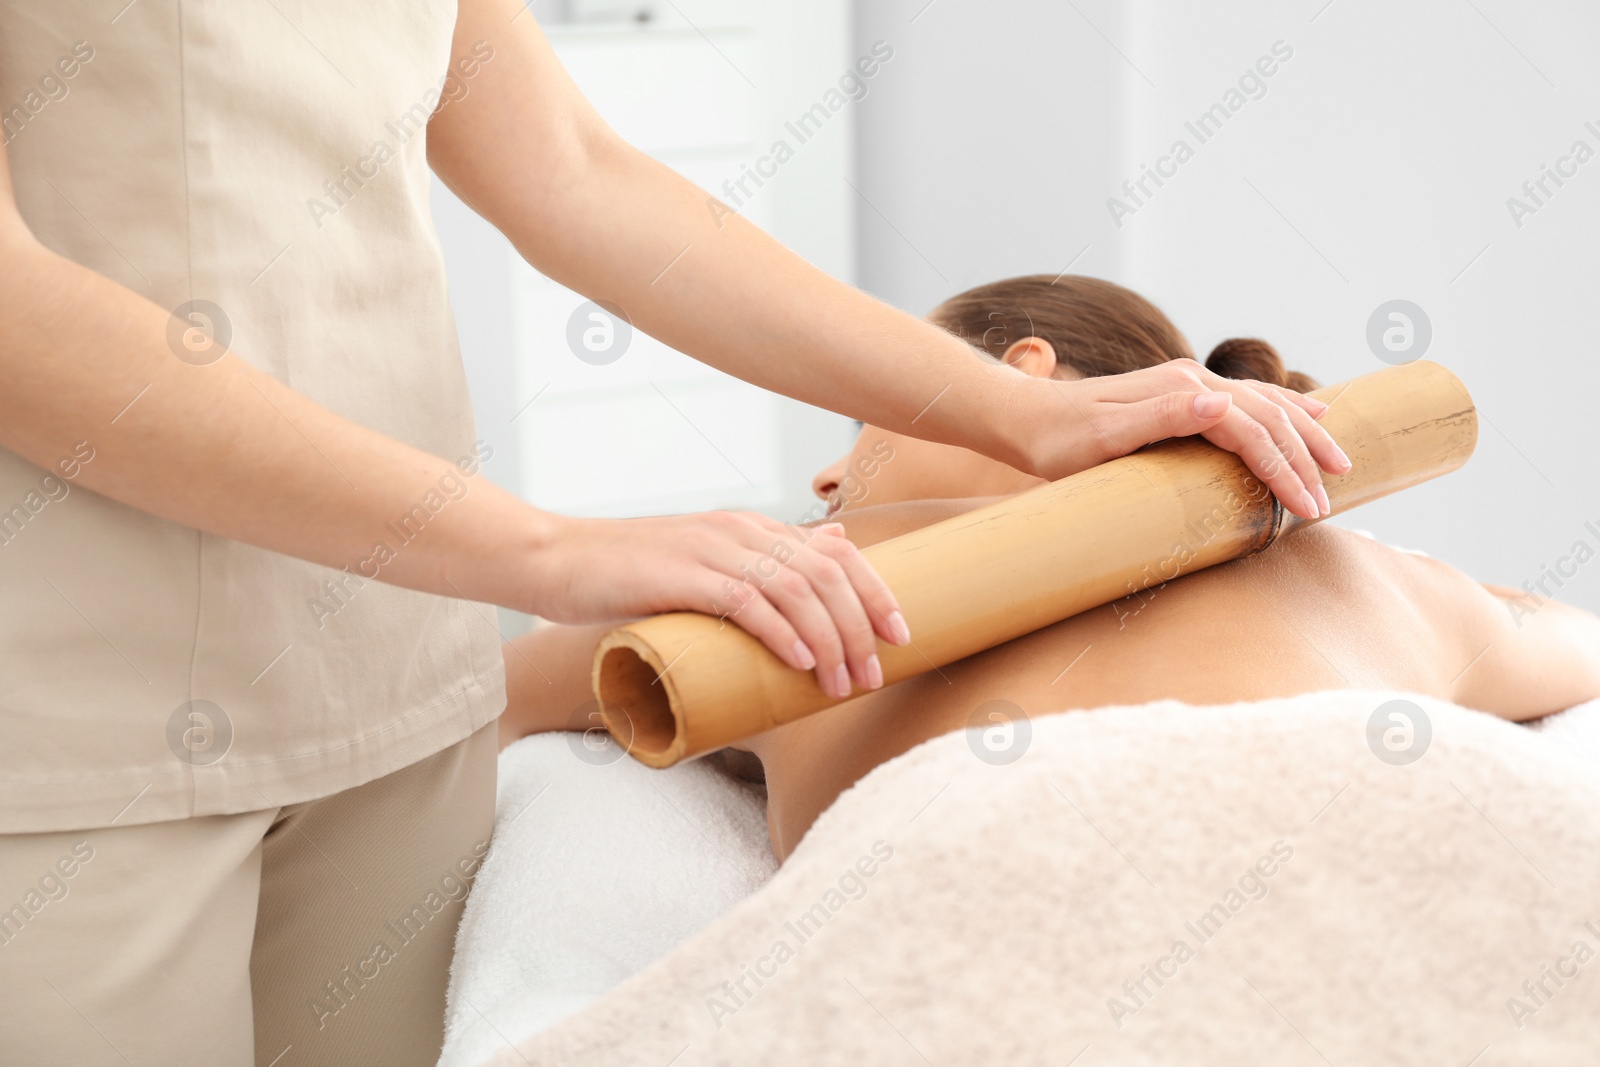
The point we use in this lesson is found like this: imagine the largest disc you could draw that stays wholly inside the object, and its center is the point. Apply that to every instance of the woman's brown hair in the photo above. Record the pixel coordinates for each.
(1097, 327)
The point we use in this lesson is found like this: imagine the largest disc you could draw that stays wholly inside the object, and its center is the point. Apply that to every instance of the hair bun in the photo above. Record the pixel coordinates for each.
(1253, 358)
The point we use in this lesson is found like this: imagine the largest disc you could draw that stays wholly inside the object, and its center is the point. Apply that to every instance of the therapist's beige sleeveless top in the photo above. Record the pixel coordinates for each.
(181, 148)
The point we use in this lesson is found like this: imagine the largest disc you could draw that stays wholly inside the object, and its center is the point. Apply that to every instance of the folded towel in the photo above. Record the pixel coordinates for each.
(1574, 732)
(599, 866)
(1274, 882)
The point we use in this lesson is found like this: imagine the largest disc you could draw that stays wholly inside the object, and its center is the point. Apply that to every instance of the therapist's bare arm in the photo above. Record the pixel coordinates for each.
(228, 449)
(526, 151)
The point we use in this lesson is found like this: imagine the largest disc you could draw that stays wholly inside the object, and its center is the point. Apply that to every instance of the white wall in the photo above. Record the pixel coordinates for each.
(986, 148)
(1376, 166)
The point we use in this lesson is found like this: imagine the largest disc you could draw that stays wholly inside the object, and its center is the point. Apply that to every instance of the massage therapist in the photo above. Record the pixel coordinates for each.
(237, 830)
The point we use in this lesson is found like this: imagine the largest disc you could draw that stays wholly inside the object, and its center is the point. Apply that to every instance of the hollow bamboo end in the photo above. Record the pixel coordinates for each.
(636, 702)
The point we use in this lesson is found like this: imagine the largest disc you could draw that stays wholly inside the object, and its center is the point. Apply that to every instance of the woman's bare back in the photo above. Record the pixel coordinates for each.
(1322, 609)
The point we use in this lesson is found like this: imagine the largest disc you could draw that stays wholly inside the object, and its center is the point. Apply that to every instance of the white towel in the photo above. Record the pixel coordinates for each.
(1337, 904)
(1575, 733)
(599, 866)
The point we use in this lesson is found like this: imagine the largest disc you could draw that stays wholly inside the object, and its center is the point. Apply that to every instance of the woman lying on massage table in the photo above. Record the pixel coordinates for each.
(1321, 609)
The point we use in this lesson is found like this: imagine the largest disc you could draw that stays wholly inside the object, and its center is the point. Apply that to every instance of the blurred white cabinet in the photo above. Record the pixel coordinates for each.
(706, 88)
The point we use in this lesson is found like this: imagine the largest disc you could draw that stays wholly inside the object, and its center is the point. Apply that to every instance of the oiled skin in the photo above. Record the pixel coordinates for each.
(1322, 609)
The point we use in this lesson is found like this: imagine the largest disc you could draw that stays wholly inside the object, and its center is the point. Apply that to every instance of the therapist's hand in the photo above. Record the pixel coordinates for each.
(805, 593)
(1077, 424)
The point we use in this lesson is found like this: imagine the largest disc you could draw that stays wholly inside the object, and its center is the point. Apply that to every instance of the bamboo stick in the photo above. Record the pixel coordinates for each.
(671, 687)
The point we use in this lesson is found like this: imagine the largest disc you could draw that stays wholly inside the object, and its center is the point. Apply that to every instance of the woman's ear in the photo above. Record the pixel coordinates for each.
(1033, 356)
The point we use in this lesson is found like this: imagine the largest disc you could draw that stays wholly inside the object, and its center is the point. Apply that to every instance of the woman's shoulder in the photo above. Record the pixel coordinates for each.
(1352, 566)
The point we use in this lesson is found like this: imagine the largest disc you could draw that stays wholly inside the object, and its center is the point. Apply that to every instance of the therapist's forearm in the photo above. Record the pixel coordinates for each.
(744, 303)
(851, 356)
(228, 449)
(525, 150)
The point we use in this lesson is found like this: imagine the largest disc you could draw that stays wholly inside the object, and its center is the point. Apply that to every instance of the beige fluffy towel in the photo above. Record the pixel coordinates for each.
(1269, 883)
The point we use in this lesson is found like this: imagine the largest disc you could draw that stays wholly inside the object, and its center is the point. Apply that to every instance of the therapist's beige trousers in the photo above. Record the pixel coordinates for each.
(316, 934)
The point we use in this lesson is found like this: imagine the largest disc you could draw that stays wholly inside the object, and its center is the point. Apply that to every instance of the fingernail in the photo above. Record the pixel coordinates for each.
(1342, 457)
(1322, 500)
(874, 672)
(897, 624)
(1210, 405)
(1309, 503)
(841, 681)
(803, 657)
(1323, 408)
